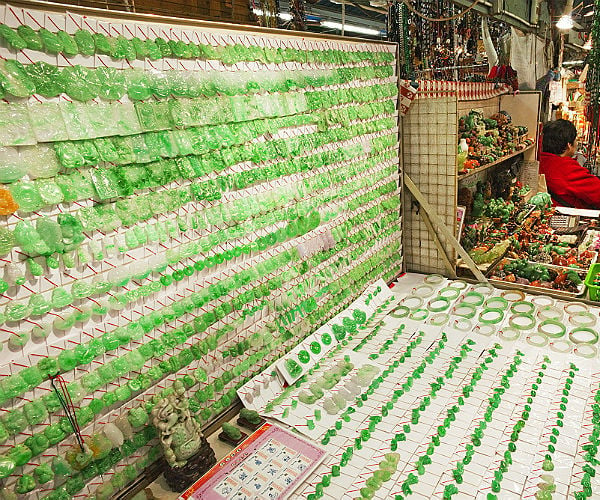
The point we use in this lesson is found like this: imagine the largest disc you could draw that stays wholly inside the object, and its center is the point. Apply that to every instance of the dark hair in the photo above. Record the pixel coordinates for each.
(557, 135)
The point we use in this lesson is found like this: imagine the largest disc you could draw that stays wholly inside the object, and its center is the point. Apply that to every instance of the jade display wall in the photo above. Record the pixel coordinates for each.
(176, 203)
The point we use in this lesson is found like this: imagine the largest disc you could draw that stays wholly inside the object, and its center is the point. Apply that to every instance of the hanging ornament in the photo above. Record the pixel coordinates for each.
(592, 86)
(298, 15)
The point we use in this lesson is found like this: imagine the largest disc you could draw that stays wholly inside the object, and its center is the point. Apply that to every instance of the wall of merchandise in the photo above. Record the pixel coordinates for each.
(177, 203)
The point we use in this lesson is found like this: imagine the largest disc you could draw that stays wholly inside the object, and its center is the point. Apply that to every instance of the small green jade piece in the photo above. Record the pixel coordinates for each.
(231, 431)
(548, 465)
(25, 484)
(251, 416)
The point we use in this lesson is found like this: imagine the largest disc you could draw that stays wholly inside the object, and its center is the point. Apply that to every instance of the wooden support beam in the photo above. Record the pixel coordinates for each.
(441, 226)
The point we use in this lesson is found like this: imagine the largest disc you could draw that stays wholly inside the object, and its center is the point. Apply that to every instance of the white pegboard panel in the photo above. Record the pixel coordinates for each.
(352, 183)
(429, 149)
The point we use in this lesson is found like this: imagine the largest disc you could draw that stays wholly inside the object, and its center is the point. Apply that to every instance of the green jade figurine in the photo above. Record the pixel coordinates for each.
(180, 435)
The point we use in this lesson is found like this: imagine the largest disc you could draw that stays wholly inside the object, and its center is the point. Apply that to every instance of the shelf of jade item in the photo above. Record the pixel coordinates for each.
(477, 170)
(513, 240)
(455, 390)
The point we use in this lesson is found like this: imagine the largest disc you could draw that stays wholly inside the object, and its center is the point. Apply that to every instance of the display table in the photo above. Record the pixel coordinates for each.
(495, 401)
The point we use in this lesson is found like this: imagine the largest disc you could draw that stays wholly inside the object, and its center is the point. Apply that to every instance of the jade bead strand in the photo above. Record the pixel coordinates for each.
(450, 488)
(514, 437)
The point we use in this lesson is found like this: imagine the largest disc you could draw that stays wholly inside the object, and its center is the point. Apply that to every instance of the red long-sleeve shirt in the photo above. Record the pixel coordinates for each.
(570, 184)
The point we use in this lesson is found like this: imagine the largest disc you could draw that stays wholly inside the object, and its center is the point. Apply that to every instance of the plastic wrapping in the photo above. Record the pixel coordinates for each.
(51, 41)
(138, 85)
(11, 166)
(79, 82)
(31, 37)
(76, 120)
(100, 120)
(47, 122)
(12, 38)
(69, 45)
(40, 161)
(111, 83)
(14, 80)
(125, 118)
(85, 42)
(45, 78)
(15, 128)
(154, 115)
(49, 191)
(26, 196)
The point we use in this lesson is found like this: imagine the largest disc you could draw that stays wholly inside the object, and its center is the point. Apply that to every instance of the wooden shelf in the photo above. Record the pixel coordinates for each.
(494, 163)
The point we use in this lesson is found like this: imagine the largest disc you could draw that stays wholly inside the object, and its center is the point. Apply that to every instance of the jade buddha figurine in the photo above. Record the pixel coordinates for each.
(180, 435)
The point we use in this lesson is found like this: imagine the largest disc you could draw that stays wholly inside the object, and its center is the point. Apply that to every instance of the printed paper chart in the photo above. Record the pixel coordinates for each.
(269, 465)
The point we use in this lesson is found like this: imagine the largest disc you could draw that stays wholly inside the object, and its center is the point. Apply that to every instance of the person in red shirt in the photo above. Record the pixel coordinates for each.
(569, 184)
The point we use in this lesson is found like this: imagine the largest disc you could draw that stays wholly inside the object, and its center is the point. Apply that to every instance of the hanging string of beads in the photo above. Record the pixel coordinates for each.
(398, 32)
(298, 15)
(592, 86)
(439, 41)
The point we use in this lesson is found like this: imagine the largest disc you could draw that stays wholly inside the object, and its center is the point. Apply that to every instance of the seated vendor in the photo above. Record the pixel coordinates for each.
(569, 184)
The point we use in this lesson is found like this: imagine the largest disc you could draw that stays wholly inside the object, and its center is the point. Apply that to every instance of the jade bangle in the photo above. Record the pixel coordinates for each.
(473, 298)
(434, 279)
(537, 340)
(550, 312)
(513, 295)
(542, 300)
(585, 351)
(576, 307)
(439, 319)
(499, 303)
(458, 284)
(449, 293)
(412, 302)
(462, 324)
(552, 329)
(423, 291)
(522, 307)
(509, 334)
(561, 346)
(522, 321)
(400, 312)
(491, 316)
(438, 304)
(486, 329)
(464, 310)
(583, 319)
(583, 330)
(419, 314)
(483, 288)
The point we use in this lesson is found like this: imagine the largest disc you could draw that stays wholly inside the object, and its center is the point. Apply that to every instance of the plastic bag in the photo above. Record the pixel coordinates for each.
(111, 83)
(45, 78)
(79, 82)
(31, 37)
(69, 45)
(11, 167)
(76, 120)
(12, 38)
(47, 122)
(14, 80)
(51, 42)
(15, 129)
(124, 118)
(138, 85)
(85, 42)
(39, 160)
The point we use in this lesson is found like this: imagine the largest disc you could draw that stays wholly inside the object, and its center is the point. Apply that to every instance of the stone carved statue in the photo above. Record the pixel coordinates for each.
(180, 435)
